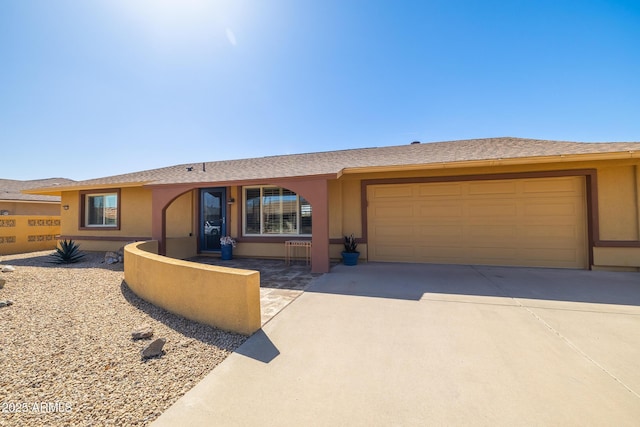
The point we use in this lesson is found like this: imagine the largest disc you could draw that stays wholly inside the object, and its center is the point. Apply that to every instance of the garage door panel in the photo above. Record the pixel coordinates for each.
(396, 253)
(567, 232)
(492, 187)
(491, 255)
(439, 189)
(446, 253)
(493, 232)
(530, 222)
(439, 232)
(551, 185)
(392, 232)
(392, 192)
(549, 221)
(443, 243)
(445, 210)
(547, 209)
(495, 208)
(396, 211)
(553, 257)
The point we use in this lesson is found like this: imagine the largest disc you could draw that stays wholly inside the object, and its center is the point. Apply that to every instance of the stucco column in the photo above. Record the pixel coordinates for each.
(316, 192)
(161, 198)
(320, 229)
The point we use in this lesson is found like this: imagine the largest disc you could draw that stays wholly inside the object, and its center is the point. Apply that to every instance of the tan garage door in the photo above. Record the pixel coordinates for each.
(523, 222)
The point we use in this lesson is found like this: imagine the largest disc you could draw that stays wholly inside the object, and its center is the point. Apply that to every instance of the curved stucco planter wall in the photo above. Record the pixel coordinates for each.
(226, 298)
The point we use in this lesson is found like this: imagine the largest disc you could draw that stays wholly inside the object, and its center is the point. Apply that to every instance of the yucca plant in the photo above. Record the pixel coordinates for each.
(67, 252)
(350, 245)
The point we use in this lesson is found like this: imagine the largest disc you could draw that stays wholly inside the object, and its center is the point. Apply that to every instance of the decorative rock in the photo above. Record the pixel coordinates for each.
(142, 332)
(2, 282)
(111, 257)
(8, 269)
(154, 349)
(6, 303)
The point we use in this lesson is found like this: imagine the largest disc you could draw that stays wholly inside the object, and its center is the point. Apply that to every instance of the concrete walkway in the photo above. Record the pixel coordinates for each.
(413, 345)
(279, 283)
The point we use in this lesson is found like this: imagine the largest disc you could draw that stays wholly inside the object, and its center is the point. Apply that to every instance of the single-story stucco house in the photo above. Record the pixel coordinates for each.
(496, 201)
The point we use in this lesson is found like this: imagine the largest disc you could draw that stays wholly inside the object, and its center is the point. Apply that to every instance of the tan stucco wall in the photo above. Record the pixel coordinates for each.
(259, 250)
(618, 203)
(30, 208)
(221, 297)
(70, 217)
(100, 245)
(135, 216)
(617, 258)
(234, 228)
(182, 247)
(135, 221)
(28, 233)
(335, 208)
(180, 216)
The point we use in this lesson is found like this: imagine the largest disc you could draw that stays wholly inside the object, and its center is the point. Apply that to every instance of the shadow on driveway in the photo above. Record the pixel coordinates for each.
(413, 281)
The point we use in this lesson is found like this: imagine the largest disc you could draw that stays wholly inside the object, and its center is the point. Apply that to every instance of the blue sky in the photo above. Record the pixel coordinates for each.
(103, 87)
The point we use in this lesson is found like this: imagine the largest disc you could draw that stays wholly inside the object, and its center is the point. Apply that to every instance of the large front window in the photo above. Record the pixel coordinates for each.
(275, 211)
(100, 209)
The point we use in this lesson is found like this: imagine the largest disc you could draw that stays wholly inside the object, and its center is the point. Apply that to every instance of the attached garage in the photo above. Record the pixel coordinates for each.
(537, 222)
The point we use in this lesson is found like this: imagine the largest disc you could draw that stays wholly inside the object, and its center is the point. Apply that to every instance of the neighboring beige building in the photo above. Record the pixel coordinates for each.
(28, 222)
(14, 202)
(495, 201)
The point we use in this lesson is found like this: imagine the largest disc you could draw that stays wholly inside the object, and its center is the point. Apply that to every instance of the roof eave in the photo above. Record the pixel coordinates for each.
(50, 202)
(560, 158)
(57, 191)
(242, 182)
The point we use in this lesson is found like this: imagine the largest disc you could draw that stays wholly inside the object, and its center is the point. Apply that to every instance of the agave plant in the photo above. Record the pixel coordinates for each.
(67, 252)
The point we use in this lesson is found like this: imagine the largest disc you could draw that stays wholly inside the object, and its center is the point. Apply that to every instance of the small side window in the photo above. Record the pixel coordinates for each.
(100, 210)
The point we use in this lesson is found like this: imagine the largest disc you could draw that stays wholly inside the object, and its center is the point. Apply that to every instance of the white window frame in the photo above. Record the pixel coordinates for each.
(262, 232)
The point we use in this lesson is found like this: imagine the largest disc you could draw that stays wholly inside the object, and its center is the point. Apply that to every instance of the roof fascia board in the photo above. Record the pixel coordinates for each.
(47, 202)
(242, 182)
(561, 158)
(57, 191)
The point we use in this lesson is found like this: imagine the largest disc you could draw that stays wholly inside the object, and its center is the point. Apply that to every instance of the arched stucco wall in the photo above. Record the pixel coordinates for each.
(226, 298)
(315, 192)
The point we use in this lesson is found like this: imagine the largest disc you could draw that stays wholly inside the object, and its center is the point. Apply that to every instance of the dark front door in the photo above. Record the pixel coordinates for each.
(212, 218)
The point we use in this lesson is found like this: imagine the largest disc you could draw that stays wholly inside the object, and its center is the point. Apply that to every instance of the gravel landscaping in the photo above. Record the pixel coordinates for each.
(67, 356)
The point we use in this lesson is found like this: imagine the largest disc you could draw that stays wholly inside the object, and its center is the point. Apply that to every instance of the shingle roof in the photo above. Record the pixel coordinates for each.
(335, 162)
(10, 190)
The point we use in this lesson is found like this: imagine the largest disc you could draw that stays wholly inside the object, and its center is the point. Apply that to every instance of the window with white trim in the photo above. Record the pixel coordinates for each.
(275, 211)
(100, 209)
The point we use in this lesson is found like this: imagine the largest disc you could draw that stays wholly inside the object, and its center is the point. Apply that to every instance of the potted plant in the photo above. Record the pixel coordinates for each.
(350, 254)
(227, 243)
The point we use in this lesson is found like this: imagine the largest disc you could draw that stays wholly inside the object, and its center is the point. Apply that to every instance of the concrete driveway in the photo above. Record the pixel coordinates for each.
(405, 344)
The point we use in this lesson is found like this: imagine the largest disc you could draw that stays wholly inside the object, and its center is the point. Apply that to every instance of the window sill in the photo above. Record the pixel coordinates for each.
(272, 239)
(99, 228)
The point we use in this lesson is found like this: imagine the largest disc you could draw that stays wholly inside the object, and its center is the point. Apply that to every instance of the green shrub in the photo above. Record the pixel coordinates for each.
(67, 252)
